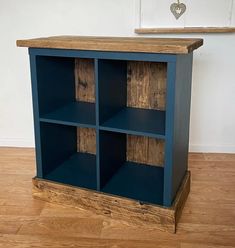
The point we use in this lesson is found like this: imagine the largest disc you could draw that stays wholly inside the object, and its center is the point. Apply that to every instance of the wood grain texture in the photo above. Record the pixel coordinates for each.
(116, 207)
(117, 44)
(85, 80)
(145, 150)
(204, 223)
(186, 30)
(85, 92)
(146, 88)
(86, 140)
(146, 85)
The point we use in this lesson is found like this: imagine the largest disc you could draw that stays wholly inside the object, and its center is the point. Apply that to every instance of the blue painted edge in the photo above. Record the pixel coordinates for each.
(97, 125)
(103, 55)
(183, 84)
(67, 123)
(33, 71)
(118, 130)
(169, 133)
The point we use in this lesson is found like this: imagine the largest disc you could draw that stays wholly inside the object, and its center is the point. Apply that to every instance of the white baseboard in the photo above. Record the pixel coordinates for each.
(16, 142)
(212, 148)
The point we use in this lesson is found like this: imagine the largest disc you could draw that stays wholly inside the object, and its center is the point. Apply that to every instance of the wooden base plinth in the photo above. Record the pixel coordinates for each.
(119, 208)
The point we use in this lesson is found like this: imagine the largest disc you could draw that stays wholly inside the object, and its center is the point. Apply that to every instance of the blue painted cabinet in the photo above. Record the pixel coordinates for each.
(57, 115)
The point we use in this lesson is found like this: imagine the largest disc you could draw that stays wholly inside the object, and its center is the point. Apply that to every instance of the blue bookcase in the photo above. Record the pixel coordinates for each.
(58, 114)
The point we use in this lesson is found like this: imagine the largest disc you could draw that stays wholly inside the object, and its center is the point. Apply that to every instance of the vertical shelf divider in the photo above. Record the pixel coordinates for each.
(97, 124)
(111, 92)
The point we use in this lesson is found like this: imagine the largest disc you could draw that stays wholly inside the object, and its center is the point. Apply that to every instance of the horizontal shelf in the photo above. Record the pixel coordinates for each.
(79, 170)
(137, 121)
(137, 181)
(74, 114)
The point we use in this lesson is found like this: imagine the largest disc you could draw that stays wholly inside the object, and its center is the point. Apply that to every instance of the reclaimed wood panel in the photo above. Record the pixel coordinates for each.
(146, 88)
(118, 208)
(85, 80)
(86, 140)
(145, 150)
(85, 91)
(146, 85)
(116, 44)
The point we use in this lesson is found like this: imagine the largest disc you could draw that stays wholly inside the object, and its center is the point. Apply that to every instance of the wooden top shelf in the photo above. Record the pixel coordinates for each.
(115, 44)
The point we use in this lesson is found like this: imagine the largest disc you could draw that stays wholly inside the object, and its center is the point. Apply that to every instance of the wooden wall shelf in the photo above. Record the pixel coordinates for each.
(187, 30)
(111, 119)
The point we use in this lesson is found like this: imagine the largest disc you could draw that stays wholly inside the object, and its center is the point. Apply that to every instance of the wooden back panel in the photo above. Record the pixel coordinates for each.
(146, 88)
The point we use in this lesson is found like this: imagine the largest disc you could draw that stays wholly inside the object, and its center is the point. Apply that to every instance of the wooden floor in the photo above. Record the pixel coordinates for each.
(208, 219)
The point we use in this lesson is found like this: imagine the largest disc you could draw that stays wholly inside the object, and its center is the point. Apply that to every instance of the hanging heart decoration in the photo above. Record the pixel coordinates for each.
(178, 9)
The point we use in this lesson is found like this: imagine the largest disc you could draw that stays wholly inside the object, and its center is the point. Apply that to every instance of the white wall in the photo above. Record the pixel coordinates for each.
(27, 18)
(213, 95)
(199, 13)
(213, 110)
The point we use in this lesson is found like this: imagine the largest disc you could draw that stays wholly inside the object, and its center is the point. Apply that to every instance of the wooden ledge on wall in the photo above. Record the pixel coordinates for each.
(186, 30)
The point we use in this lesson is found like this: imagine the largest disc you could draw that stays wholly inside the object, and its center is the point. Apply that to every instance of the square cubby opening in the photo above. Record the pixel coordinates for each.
(66, 90)
(132, 166)
(68, 154)
(132, 97)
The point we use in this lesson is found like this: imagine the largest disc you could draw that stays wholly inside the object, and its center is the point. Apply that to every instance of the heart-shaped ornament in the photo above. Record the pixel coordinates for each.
(178, 9)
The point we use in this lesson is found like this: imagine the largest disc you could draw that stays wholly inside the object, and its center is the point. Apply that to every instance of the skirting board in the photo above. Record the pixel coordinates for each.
(130, 211)
(212, 148)
(17, 142)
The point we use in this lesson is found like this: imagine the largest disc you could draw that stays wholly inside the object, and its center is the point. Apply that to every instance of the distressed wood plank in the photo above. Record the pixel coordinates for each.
(85, 80)
(146, 85)
(86, 140)
(118, 208)
(85, 91)
(117, 44)
(145, 150)
(146, 88)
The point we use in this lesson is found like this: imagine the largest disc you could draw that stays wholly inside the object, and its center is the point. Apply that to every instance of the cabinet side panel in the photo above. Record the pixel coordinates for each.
(146, 88)
(181, 119)
(177, 125)
(171, 77)
(33, 70)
